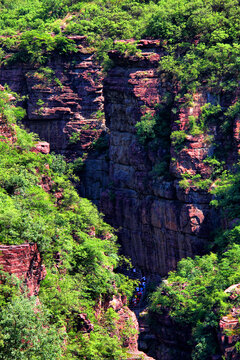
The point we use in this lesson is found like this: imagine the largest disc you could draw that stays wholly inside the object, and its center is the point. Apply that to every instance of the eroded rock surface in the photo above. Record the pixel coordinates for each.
(159, 222)
(24, 261)
(62, 97)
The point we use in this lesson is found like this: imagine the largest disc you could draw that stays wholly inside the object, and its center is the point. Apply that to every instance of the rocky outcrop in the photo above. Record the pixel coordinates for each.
(25, 262)
(127, 328)
(167, 339)
(63, 96)
(41, 147)
(228, 335)
(64, 106)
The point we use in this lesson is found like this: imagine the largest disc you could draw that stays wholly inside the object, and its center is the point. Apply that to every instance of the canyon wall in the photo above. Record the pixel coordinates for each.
(158, 222)
(64, 105)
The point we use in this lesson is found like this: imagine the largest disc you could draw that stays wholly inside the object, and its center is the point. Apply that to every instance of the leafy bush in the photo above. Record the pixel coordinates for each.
(195, 295)
(36, 47)
(26, 333)
(145, 128)
(178, 138)
(198, 50)
(74, 138)
(160, 169)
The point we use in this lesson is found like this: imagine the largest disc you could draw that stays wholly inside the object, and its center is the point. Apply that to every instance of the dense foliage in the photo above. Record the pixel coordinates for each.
(30, 25)
(59, 222)
(200, 36)
(195, 296)
(201, 39)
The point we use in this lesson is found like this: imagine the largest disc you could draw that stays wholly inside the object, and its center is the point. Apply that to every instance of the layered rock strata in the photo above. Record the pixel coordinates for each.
(64, 106)
(63, 96)
(25, 262)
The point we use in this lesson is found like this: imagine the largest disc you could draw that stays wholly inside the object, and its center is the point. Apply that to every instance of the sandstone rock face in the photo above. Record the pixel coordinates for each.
(42, 147)
(67, 89)
(127, 321)
(24, 261)
(159, 222)
(229, 335)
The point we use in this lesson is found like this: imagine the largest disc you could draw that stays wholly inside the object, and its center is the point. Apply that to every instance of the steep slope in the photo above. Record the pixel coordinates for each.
(47, 231)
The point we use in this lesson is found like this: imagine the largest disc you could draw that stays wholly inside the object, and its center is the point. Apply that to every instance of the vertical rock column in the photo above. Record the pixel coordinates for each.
(158, 222)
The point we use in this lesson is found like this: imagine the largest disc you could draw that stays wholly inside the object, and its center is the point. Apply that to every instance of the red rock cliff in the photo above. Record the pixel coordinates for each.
(24, 261)
(62, 97)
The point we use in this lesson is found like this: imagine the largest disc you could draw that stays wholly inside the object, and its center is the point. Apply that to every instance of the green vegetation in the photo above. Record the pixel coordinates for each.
(26, 332)
(74, 138)
(178, 137)
(161, 168)
(30, 25)
(153, 131)
(200, 41)
(200, 37)
(59, 222)
(195, 296)
(194, 181)
(146, 128)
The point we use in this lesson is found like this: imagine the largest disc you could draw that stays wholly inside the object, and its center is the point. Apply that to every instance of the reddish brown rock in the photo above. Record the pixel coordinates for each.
(65, 109)
(42, 147)
(127, 323)
(237, 134)
(228, 334)
(196, 148)
(71, 92)
(159, 221)
(24, 261)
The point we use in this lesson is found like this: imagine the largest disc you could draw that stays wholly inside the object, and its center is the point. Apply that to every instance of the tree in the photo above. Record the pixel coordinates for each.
(26, 333)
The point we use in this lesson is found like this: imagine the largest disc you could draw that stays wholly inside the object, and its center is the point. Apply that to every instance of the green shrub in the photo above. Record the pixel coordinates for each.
(178, 138)
(74, 138)
(145, 128)
(26, 333)
(194, 128)
(101, 143)
(160, 169)
(195, 295)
